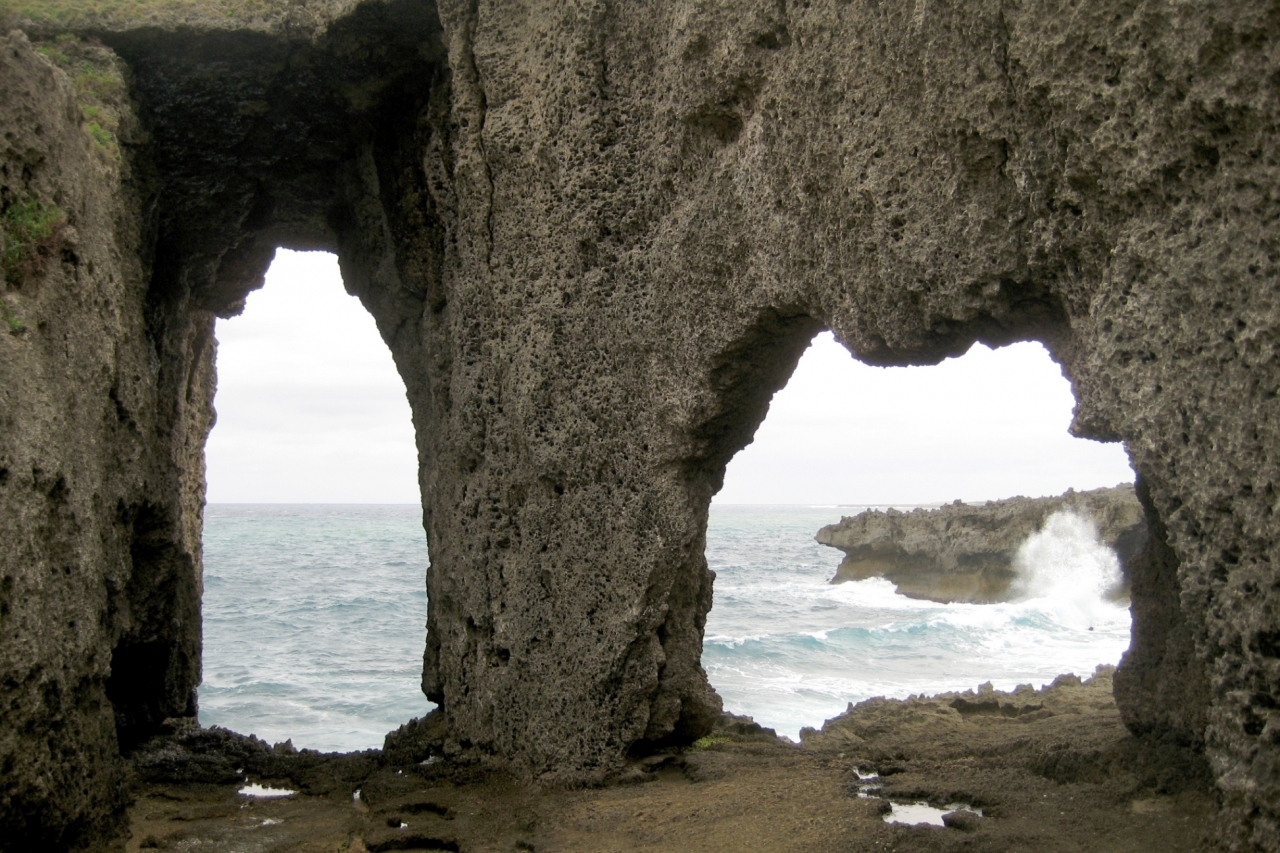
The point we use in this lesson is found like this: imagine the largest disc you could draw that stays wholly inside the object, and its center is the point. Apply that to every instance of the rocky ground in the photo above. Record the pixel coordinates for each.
(1049, 770)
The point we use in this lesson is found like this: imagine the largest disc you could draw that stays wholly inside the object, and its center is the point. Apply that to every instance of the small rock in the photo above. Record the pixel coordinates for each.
(879, 806)
(962, 819)
(633, 776)
(651, 763)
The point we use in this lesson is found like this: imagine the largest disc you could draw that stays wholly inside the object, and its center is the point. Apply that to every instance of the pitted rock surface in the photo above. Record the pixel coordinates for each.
(101, 463)
(596, 238)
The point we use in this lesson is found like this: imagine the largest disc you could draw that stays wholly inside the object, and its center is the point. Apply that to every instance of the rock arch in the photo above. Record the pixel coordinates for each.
(595, 238)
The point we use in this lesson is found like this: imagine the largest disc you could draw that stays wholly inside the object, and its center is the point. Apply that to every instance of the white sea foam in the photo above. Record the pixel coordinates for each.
(261, 792)
(790, 649)
(1069, 571)
(313, 622)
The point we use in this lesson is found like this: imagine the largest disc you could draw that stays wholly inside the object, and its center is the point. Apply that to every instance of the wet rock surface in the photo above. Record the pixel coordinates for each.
(185, 753)
(596, 240)
(1048, 768)
(966, 552)
(1051, 770)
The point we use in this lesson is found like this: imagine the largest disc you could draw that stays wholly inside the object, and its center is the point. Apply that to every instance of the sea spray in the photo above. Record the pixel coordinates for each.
(791, 650)
(314, 616)
(1068, 568)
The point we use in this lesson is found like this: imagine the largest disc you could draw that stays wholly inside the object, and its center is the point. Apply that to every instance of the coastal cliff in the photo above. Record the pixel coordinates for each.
(101, 455)
(597, 238)
(966, 552)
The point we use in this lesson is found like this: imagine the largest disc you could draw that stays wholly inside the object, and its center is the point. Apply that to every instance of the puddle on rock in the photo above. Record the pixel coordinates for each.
(259, 792)
(869, 783)
(912, 814)
(919, 813)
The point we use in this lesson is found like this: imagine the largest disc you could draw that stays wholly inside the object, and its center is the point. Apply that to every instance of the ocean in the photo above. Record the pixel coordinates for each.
(314, 621)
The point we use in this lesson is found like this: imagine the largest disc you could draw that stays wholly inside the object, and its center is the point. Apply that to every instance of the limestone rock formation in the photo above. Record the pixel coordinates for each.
(966, 552)
(101, 459)
(596, 238)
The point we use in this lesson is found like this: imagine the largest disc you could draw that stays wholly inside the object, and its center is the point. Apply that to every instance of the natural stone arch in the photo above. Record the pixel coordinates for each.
(224, 143)
(591, 237)
(254, 141)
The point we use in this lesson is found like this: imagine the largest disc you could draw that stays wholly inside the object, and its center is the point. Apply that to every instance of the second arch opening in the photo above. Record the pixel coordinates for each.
(788, 645)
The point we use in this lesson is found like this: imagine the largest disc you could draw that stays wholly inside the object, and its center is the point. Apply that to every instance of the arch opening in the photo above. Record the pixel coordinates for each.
(314, 553)
(786, 645)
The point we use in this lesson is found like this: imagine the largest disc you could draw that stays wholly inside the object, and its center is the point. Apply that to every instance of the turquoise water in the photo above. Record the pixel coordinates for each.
(792, 650)
(314, 621)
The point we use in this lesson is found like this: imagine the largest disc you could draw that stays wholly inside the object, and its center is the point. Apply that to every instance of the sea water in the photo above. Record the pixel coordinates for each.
(791, 650)
(314, 621)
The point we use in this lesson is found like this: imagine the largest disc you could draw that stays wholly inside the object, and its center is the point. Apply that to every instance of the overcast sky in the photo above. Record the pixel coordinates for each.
(310, 409)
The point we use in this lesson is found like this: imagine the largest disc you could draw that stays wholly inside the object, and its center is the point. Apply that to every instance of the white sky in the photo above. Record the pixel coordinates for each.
(311, 410)
(990, 424)
(310, 407)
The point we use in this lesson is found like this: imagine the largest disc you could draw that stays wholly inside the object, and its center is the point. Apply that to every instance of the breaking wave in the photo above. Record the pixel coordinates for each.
(788, 648)
(313, 621)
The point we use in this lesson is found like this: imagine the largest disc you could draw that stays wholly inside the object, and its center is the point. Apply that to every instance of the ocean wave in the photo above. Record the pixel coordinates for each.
(314, 622)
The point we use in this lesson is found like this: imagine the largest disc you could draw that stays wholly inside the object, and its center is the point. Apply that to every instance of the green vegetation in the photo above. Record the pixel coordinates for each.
(709, 741)
(53, 54)
(103, 138)
(28, 232)
(16, 326)
(73, 12)
(99, 87)
(93, 83)
(99, 123)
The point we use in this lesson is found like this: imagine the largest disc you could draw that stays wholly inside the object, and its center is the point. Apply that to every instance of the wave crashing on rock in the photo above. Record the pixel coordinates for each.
(998, 551)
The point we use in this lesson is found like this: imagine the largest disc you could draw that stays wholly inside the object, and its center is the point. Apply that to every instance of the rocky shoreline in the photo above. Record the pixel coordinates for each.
(1045, 770)
(966, 552)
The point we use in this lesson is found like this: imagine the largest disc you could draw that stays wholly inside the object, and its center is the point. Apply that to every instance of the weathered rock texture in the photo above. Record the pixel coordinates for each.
(101, 462)
(1160, 688)
(596, 237)
(966, 552)
(106, 360)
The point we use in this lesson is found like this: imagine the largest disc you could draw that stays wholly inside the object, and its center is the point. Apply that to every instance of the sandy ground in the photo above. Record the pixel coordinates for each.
(1050, 770)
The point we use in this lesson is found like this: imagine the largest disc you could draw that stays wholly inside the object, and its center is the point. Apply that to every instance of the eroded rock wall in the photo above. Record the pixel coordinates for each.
(173, 162)
(657, 204)
(1161, 687)
(597, 237)
(101, 458)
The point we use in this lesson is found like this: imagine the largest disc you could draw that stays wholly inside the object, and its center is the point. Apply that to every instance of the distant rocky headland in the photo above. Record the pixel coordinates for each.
(966, 552)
